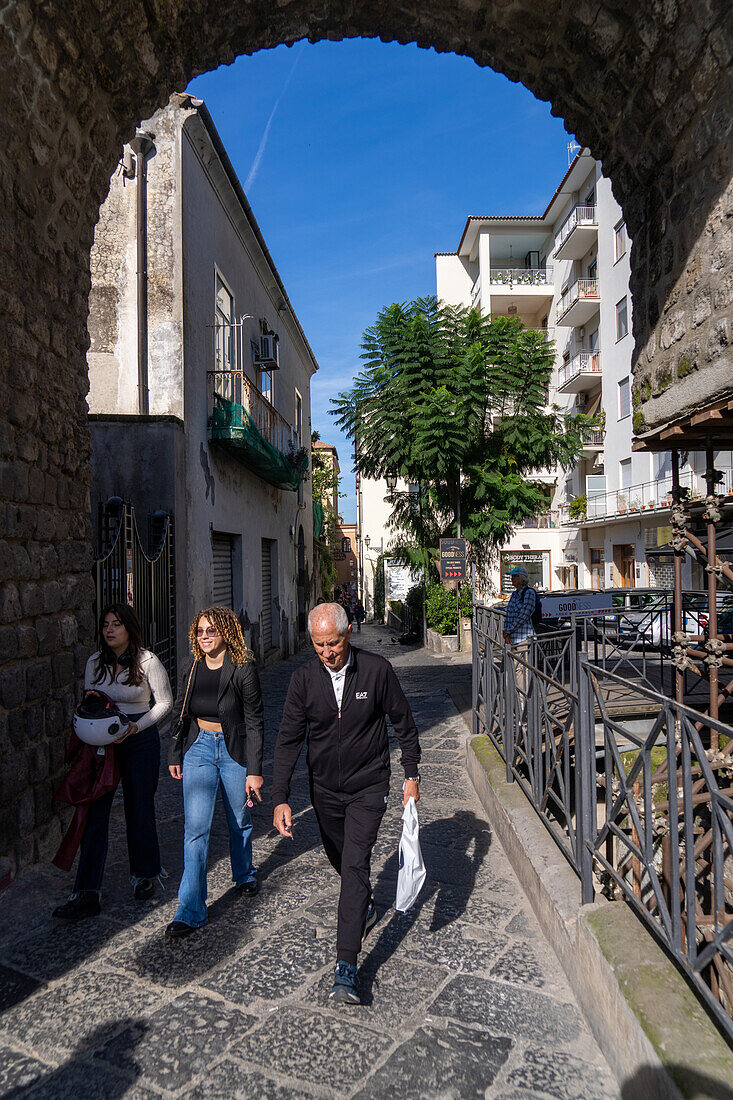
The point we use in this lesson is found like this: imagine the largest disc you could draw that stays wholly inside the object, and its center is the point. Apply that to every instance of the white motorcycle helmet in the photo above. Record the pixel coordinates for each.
(98, 721)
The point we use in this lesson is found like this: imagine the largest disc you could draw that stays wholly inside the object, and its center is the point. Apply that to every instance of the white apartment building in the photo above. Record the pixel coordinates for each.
(212, 424)
(567, 271)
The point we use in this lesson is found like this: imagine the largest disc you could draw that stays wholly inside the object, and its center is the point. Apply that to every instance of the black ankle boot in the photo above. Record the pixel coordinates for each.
(85, 904)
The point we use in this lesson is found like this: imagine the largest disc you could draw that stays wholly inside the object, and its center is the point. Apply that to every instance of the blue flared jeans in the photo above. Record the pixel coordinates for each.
(207, 766)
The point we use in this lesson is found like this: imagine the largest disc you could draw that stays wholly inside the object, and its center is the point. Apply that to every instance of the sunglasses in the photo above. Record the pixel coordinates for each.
(210, 632)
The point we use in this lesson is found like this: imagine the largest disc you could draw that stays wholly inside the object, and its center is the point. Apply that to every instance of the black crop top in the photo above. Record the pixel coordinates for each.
(204, 694)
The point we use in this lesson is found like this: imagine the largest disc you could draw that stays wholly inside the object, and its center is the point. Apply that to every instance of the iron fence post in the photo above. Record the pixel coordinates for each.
(509, 712)
(585, 791)
(475, 657)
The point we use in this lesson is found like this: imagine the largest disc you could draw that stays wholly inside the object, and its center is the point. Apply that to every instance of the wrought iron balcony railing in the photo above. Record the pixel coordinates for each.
(235, 386)
(584, 289)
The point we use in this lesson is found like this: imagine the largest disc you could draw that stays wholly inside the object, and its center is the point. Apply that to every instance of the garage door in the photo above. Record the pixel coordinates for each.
(222, 581)
(266, 595)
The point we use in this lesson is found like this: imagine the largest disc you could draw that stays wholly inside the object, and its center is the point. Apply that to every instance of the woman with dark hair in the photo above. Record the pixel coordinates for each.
(136, 681)
(217, 743)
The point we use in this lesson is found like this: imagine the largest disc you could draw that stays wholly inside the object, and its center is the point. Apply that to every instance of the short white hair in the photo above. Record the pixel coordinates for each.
(329, 612)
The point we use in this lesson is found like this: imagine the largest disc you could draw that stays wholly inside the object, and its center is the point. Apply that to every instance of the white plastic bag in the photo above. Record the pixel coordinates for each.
(411, 875)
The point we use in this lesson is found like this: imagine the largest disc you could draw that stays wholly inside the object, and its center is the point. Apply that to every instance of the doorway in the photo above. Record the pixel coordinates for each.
(624, 563)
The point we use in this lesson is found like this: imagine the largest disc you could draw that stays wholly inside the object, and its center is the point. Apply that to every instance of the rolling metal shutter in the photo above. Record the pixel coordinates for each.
(266, 595)
(222, 581)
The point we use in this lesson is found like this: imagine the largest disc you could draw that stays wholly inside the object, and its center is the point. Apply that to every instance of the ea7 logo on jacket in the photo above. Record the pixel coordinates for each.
(362, 695)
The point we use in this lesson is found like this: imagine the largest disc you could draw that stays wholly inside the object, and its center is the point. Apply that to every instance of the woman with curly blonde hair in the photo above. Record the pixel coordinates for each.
(217, 743)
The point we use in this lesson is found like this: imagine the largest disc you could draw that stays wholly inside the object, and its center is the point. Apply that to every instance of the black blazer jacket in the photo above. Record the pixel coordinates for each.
(240, 712)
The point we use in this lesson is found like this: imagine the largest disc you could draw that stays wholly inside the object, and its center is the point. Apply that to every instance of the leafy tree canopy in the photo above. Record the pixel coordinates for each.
(456, 404)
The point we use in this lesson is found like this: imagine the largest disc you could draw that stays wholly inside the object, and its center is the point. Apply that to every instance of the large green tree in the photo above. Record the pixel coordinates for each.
(456, 404)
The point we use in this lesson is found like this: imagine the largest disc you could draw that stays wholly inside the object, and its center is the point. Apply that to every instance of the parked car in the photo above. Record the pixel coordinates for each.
(696, 608)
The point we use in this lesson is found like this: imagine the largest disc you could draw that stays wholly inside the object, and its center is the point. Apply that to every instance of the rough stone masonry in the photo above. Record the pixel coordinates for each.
(646, 84)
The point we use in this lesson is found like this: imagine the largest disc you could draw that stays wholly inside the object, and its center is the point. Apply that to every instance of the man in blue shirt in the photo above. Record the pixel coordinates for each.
(518, 626)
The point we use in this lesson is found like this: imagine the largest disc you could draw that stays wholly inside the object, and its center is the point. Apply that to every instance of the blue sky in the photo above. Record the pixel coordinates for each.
(361, 160)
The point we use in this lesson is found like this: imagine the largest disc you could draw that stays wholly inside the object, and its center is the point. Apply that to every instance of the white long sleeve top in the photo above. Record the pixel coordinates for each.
(152, 697)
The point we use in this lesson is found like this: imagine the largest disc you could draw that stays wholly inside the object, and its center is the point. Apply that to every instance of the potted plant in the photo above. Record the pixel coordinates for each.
(578, 507)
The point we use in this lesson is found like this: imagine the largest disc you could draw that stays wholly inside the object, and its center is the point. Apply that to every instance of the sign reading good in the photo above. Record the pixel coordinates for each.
(452, 559)
(559, 605)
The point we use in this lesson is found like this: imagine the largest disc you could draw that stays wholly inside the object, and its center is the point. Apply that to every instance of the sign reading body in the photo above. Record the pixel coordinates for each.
(560, 604)
(536, 562)
(452, 559)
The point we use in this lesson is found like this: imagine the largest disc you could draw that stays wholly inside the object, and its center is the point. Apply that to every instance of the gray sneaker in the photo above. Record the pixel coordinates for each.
(346, 985)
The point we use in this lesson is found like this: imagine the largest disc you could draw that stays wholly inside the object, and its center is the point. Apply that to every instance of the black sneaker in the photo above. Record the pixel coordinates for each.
(177, 929)
(248, 889)
(346, 985)
(372, 917)
(144, 889)
(85, 904)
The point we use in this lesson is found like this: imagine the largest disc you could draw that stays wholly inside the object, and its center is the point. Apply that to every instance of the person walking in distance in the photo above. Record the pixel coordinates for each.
(341, 698)
(520, 612)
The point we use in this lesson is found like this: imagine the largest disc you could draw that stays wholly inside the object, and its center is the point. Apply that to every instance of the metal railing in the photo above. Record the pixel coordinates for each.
(476, 292)
(579, 215)
(582, 289)
(596, 438)
(520, 276)
(235, 386)
(647, 496)
(585, 362)
(544, 521)
(625, 780)
(124, 572)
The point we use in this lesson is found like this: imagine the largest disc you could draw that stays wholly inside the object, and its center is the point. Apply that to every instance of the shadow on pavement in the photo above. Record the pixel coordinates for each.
(78, 1077)
(451, 876)
(652, 1081)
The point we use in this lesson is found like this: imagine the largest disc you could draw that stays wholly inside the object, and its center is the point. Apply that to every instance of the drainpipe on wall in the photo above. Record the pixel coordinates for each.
(141, 145)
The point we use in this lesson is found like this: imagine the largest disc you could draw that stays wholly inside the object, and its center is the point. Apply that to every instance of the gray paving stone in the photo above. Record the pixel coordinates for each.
(69, 1015)
(18, 1071)
(452, 1062)
(450, 946)
(51, 953)
(507, 1011)
(15, 987)
(393, 990)
(275, 966)
(232, 1081)
(522, 924)
(86, 1081)
(559, 1074)
(178, 1042)
(520, 965)
(173, 963)
(309, 1046)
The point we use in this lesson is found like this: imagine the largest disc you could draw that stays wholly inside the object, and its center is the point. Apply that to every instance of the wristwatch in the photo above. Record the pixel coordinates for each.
(412, 778)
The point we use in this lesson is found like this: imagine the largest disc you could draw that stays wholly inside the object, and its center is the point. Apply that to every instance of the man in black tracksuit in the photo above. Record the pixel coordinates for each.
(341, 698)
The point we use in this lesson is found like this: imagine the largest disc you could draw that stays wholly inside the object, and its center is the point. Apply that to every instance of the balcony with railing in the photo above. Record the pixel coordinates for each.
(520, 290)
(648, 496)
(579, 303)
(247, 425)
(577, 234)
(582, 372)
(594, 443)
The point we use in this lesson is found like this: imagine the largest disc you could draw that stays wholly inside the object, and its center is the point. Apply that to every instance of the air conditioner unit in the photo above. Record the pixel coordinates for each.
(267, 356)
(581, 400)
(581, 333)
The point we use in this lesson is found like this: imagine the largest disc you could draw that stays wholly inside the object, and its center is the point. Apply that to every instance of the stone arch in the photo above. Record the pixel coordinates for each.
(646, 84)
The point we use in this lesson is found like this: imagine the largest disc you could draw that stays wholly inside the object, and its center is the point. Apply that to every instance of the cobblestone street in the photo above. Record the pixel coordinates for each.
(463, 997)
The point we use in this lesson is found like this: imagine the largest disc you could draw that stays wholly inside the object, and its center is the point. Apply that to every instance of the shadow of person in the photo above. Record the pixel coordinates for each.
(453, 850)
(83, 1074)
(652, 1081)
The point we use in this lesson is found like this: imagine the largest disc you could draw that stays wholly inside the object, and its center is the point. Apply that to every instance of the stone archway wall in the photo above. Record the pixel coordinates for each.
(644, 83)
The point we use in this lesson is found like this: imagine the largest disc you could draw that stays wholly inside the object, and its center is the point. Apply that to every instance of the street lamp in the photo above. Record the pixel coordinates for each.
(391, 480)
(367, 541)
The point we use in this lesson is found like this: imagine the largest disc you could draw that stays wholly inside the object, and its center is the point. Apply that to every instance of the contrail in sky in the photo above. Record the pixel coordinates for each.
(263, 142)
